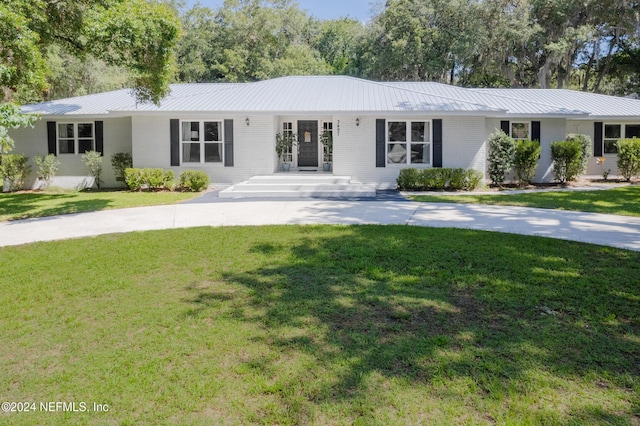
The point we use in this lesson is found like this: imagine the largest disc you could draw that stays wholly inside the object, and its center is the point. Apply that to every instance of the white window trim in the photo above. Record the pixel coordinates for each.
(202, 142)
(623, 134)
(408, 142)
(76, 137)
(288, 157)
(511, 123)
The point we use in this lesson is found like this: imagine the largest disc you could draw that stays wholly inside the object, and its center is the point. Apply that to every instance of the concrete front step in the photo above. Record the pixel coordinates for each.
(296, 186)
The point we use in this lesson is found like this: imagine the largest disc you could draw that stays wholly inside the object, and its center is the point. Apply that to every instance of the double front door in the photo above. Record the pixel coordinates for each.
(307, 143)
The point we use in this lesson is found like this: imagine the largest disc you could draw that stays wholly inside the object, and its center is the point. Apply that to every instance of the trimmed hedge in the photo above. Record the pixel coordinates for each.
(526, 160)
(567, 160)
(629, 157)
(502, 150)
(438, 179)
(153, 179)
(194, 180)
(14, 169)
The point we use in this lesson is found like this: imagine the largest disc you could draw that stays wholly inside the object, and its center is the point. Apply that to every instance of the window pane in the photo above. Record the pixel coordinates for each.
(520, 130)
(397, 153)
(397, 131)
(213, 152)
(612, 131)
(190, 152)
(421, 153)
(65, 146)
(610, 147)
(85, 145)
(190, 131)
(632, 131)
(65, 131)
(85, 130)
(211, 131)
(417, 132)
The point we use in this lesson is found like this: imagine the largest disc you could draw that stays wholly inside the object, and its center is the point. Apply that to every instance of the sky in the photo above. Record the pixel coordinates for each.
(319, 9)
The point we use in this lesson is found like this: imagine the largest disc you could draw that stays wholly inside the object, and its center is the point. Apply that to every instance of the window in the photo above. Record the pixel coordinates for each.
(409, 142)
(614, 132)
(327, 151)
(287, 130)
(520, 130)
(201, 141)
(75, 138)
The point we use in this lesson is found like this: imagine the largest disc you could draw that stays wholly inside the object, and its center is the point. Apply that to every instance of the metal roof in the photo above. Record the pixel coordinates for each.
(340, 94)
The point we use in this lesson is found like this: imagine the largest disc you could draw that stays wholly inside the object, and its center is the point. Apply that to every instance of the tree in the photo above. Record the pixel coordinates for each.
(11, 117)
(138, 35)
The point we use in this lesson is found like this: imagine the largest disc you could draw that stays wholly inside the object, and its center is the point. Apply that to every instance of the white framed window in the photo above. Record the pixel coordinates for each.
(614, 132)
(201, 142)
(521, 130)
(327, 154)
(409, 142)
(287, 130)
(75, 138)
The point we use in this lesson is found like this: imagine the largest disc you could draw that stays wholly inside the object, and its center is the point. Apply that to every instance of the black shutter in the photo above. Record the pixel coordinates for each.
(51, 137)
(99, 126)
(380, 142)
(437, 143)
(174, 131)
(504, 126)
(535, 131)
(228, 143)
(598, 138)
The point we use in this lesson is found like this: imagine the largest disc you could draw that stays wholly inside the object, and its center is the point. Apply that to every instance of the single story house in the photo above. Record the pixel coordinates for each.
(229, 130)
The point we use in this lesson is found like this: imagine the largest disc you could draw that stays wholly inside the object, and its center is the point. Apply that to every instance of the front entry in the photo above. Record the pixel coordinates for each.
(307, 143)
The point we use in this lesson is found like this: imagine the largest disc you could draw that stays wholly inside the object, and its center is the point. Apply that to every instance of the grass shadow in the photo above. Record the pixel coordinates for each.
(428, 307)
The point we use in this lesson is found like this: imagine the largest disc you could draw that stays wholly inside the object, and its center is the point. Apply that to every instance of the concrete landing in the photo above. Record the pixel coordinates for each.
(284, 185)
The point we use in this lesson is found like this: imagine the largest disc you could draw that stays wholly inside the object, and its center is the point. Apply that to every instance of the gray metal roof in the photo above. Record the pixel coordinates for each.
(340, 94)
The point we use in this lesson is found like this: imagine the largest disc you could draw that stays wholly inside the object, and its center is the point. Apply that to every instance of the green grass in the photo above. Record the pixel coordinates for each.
(26, 205)
(622, 201)
(322, 325)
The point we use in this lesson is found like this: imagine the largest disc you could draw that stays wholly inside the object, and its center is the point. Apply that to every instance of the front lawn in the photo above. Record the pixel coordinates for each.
(321, 325)
(26, 205)
(623, 201)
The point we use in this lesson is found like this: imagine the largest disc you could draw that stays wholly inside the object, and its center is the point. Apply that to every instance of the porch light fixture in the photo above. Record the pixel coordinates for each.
(247, 122)
(357, 121)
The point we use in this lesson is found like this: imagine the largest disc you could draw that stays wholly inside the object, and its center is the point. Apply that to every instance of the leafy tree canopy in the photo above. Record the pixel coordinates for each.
(138, 35)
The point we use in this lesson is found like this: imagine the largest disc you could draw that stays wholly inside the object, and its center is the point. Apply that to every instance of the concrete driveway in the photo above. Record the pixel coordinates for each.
(608, 230)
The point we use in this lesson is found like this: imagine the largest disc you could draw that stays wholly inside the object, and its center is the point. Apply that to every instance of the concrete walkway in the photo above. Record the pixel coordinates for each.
(610, 230)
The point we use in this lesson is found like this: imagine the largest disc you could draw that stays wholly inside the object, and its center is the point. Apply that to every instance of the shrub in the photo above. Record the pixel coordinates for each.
(629, 157)
(121, 161)
(439, 179)
(133, 178)
(47, 168)
(158, 178)
(502, 150)
(409, 179)
(137, 179)
(194, 180)
(526, 160)
(435, 179)
(566, 156)
(93, 162)
(14, 169)
(586, 152)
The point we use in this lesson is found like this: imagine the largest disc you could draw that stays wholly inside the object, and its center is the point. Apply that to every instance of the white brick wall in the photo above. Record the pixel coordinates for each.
(551, 130)
(354, 150)
(587, 128)
(254, 147)
(72, 172)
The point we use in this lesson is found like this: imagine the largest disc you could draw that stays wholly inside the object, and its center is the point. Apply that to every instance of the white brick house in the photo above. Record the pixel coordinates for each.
(228, 130)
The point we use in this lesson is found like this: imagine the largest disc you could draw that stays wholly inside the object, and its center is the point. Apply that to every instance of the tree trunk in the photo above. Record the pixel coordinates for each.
(605, 70)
